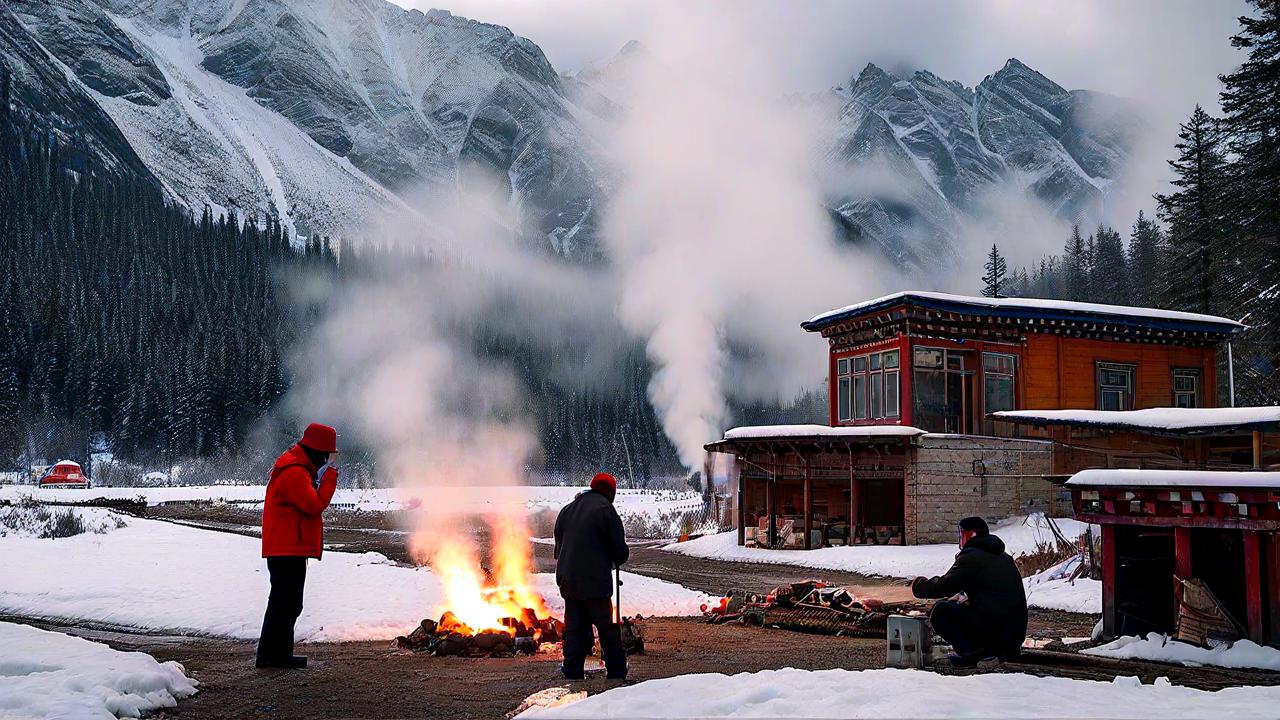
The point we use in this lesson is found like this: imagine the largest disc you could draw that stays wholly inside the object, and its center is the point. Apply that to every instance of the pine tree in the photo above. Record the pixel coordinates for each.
(1146, 261)
(1251, 272)
(1110, 272)
(996, 269)
(1195, 215)
(1075, 267)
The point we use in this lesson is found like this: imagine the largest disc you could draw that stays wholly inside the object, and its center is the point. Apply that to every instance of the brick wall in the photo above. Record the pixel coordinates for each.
(950, 477)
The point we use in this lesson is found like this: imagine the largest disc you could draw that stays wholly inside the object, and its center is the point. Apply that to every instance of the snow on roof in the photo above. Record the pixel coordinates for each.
(1176, 478)
(809, 431)
(1033, 307)
(1174, 420)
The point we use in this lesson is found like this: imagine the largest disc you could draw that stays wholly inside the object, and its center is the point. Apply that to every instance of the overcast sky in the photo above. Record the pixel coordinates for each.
(1166, 53)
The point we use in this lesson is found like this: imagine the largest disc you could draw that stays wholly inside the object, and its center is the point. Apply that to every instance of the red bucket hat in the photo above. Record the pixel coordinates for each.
(320, 438)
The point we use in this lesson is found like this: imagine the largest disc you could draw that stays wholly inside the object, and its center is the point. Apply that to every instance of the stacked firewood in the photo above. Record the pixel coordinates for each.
(810, 606)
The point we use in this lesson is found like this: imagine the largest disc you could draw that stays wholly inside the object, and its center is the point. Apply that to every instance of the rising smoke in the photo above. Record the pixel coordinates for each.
(716, 231)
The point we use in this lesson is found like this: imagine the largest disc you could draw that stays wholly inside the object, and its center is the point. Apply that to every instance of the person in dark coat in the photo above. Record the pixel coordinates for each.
(985, 614)
(590, 543)
(302, 484)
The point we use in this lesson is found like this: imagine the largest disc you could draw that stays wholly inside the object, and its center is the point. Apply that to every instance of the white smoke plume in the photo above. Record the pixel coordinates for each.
(716, 230)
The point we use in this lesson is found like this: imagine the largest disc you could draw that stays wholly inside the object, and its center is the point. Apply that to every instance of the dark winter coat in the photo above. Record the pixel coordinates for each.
(986, 574)
(589, 542)
(291, 524)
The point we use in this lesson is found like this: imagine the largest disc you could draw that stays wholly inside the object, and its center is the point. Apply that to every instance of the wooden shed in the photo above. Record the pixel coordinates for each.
(1161, 527)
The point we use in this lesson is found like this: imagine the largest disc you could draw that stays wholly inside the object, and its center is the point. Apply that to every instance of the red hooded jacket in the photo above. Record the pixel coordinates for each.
(291, 524)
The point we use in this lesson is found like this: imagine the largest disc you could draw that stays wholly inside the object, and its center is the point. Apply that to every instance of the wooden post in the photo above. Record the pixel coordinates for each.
(772, 499)
(1181, 564)
(808, 506)
(741, 478)
(1109, 582)
(1273, 580)
(853, 500)
(1257, 449)
(1253, 584)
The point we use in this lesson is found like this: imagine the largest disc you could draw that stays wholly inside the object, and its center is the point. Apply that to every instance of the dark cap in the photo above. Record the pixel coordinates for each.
(975, 525)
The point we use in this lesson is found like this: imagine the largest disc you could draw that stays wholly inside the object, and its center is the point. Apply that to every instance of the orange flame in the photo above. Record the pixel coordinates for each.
(476, 602)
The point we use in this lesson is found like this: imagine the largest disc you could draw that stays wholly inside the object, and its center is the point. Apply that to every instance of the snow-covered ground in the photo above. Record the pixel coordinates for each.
(914, 694)
(152, 574)
(51, 675)
(535, 498)
(1020, 535)
(1241, 654)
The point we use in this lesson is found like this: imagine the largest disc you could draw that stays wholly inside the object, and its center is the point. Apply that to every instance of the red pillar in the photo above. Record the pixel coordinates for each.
(1273, 577)
(1253, 584)
(1181, 563)
(1108, 581)
(808, 505)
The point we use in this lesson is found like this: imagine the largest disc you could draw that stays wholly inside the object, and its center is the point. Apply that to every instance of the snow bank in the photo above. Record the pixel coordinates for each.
(914, 694)
(51, 675)
(533, 498)
(1053, 589)
(1241, 654)
(159, 575)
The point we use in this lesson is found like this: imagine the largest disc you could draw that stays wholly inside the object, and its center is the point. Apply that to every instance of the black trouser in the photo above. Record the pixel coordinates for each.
(284, 605)
(968, 632)
(579, 616)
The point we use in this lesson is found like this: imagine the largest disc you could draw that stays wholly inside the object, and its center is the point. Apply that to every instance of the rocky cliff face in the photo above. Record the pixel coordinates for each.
(334, 115)
(921, 150)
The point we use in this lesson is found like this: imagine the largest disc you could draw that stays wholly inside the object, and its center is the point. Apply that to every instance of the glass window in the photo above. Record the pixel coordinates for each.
(1115, 386)
(875, 361)
(928, 357)
(1186, 388)
(891, 394)
(842, 395)
(860, 396)
(998, 363)
(955, 361)
(842, 366)
(998, 382)
(860, 364)
(877, 395)
(891, 359)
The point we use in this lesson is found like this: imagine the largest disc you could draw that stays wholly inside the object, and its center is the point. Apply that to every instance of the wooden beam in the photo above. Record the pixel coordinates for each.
(853, 499)
(1108, 582)
(1257, 449)
(771, 501)
(1253, 585)
(742, 510)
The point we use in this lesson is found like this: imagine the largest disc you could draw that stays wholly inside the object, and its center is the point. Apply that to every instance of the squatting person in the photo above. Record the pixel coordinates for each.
(590, 543)
(986, 613)
(301, 486)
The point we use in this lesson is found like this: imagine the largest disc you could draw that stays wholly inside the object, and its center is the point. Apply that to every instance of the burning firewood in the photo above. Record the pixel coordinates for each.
(450, 636)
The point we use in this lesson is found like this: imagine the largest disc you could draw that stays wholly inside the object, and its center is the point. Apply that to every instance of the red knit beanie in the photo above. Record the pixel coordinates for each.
(605, 484)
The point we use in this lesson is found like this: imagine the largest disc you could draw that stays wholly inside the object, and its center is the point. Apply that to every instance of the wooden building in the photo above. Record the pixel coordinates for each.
(1161, 527)
(911, 444)
(945, 363)
(1236, 438)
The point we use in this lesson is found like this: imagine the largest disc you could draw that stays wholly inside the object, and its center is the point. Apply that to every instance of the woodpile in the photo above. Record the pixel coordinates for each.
(450, 636)
(809, 606)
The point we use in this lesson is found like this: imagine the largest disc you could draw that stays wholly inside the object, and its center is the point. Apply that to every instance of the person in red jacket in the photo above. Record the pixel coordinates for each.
(301, 486)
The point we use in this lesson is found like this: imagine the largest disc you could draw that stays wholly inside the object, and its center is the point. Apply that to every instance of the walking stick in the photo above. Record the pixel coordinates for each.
(617, 588)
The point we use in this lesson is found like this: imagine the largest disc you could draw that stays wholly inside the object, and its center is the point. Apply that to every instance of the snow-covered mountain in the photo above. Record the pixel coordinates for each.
(328, 113)
(334, 113)
(912, 153)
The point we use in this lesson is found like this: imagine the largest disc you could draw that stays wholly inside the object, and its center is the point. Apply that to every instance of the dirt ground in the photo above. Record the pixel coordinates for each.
(372, 680)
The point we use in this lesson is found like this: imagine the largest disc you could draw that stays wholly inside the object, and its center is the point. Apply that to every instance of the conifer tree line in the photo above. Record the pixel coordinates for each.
(127, 324)
(1214, 244)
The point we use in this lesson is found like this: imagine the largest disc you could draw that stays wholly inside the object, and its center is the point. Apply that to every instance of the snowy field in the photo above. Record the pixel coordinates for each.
(914, 694)
(452, 499)
(1020, 535)
(52, 675)
(158, 575)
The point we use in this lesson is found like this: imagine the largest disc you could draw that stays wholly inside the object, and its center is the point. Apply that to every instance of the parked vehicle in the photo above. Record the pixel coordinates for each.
(64, 474)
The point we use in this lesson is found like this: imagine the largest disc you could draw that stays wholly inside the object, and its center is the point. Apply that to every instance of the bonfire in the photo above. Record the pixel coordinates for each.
(493, 614)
